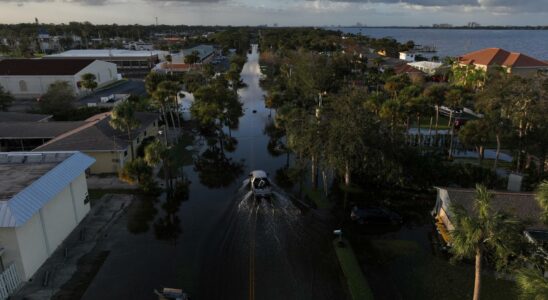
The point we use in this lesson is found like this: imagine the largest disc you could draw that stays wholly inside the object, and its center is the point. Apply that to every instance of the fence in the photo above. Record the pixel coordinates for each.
(9, 282)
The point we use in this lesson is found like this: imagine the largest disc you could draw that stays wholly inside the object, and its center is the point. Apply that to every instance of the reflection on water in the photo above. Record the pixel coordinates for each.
(215, 169)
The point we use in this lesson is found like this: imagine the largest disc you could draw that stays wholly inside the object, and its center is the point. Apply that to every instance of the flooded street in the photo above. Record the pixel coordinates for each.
(226, 245)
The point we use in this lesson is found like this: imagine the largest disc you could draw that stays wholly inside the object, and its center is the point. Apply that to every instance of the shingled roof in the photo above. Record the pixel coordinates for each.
(98, 135)
(35, 130)
(37, 67)
(500, 57)
(521, 205)
(22, 117)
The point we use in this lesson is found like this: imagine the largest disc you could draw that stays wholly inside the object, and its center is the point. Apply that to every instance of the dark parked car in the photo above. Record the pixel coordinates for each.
(375, 216)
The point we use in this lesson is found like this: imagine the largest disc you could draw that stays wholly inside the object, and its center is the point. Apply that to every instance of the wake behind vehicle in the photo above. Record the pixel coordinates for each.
(260, 184)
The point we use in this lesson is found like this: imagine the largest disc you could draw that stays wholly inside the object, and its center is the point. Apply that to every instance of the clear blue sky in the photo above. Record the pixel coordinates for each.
(283, 12)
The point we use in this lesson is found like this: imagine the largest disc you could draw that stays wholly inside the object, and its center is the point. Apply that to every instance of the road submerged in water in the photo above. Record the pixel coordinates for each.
(227, 244)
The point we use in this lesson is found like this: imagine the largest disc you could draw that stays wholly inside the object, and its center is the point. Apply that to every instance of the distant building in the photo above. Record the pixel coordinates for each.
(513, 62)
(428, 67)
(412, 72)
(139, 46)
(109, 147)
(205, 52)
(43, 197)
(408, 56)
(129, 63)
(31, 78)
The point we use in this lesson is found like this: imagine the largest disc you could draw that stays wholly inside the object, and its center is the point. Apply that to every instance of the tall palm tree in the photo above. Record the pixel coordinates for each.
(123, 118)
(483, 230)
(156, 153)
(542, 199)
(532, 284)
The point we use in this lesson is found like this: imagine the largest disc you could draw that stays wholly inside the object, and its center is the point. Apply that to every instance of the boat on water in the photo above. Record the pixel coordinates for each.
(425, 49)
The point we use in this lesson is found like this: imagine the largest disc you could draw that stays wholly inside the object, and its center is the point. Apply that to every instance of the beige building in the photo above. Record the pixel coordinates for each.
(43, 197)
(109, 147)
(31, 78)
(513, 62)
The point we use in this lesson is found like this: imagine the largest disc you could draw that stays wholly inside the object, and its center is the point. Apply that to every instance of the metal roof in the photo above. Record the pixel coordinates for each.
(20, 208)
(105, 53)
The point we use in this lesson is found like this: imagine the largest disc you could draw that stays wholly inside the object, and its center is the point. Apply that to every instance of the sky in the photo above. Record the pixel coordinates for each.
(281, 12)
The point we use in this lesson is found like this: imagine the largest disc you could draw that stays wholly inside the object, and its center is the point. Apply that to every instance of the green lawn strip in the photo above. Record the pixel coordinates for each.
(317, 196)
(487, 163)
(420, 275)
(357, 284)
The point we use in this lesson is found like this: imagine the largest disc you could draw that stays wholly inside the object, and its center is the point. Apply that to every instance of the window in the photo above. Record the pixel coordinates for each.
(86, 200)
(125, 153)
(23, 86)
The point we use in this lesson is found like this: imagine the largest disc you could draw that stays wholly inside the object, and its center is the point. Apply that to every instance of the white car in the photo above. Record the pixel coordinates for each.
(260, 184)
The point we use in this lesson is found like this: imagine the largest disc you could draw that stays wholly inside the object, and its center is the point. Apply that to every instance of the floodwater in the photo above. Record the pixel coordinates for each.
(221, 243)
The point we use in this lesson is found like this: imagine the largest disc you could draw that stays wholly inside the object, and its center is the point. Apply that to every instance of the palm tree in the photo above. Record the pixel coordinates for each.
(532, 284)
(156, 153)
(483, 230)
(542, 198)
(169, 90)
(436, 96)
(123, 118)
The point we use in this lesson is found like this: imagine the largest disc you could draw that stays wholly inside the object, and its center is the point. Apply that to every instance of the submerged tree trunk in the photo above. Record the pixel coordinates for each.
(347, 175)
(324, 177)
(437, 123)
(477, 282)
(130, 140)
(498, 152)
(314, 171)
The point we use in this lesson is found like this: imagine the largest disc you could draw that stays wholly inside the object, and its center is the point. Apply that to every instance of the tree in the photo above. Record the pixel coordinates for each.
(58, 100)
(123, 118)
(6, 99)
(156, 153)
(166, 95)
(475, 133)
(192, 58)
(89, 81)
(137, 171)
(533, 284)
(483, 231)
(541, 196)
(436, 97)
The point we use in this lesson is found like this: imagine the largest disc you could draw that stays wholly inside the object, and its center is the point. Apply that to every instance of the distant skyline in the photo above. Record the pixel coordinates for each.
(282, 12)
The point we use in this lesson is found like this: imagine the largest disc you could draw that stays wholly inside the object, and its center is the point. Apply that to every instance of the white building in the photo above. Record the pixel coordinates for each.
(407, 56)
(428, 67)
(43, 197)
(30, 78)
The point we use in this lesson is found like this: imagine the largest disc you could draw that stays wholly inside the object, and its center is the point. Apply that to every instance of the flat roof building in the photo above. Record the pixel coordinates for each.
(129, 62)
(43, 197)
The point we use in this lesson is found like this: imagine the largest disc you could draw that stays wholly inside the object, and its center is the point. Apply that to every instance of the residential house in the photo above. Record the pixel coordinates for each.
(23, 117)
(513, 62)
(206, 53)
(428, 67)
(109, 147)
(43, 197)
(519, 204)
(407, 56)
(31, 78)
(27, 135)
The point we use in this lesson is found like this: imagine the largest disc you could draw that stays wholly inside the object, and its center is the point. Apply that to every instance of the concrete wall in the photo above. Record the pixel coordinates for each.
(35, 85)
(104, 72)
(38, 85)
(32, 243)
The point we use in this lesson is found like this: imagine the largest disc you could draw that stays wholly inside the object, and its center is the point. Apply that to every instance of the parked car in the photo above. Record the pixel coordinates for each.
(375, 216)
(260, 184)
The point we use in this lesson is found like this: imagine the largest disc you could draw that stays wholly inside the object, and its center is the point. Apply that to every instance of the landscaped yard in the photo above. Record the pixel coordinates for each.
(357, 284)
(417, 274)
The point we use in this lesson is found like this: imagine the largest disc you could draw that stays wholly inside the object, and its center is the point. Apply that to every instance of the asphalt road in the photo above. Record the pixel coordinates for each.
(271, 250)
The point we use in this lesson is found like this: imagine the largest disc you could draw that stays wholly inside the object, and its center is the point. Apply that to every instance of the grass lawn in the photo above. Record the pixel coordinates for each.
(425, 123)
(318, 198)
(420, 275)
(357, 284)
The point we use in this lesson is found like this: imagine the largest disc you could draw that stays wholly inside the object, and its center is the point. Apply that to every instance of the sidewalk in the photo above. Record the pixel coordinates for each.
(110, 182)
(60, 267)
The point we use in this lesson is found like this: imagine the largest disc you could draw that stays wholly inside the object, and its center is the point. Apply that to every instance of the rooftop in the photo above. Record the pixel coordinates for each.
(28, 181)
(98, 135)
(203, 51)
(101, 53)
(500, 57)
(521, 205)
(42, 130)
(22, 117)
(30, 67)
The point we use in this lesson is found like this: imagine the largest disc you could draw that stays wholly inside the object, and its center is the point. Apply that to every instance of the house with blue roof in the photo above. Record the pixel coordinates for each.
(43, 197)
